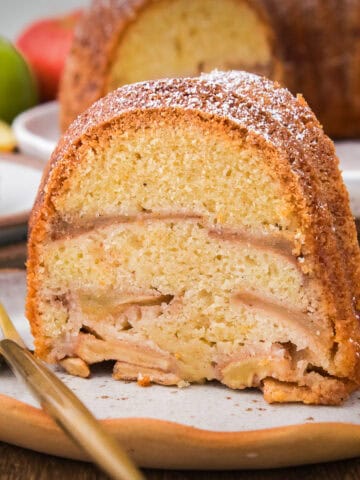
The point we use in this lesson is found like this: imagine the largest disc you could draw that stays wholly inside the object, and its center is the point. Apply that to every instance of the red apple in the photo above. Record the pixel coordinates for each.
(45, 44)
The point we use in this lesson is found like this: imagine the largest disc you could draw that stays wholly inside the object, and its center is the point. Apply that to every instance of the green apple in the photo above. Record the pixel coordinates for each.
(18, 90)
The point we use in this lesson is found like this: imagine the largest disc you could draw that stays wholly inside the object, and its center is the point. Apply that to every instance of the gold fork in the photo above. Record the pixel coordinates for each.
(65, 407)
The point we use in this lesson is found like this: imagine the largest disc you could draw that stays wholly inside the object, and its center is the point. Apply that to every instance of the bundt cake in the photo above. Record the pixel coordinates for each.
(199, 229)
(312, 47)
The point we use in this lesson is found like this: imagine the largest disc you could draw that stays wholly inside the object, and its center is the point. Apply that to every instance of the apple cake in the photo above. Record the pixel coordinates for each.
(199, 229)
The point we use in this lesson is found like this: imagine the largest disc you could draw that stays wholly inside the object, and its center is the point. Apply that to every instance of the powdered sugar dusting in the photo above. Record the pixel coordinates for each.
(254, 103)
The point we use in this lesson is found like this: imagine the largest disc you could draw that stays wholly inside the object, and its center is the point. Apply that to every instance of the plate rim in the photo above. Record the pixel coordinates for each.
(19, 218)
(25, 135)
(155, 443)
(165, 444)
(30, 141)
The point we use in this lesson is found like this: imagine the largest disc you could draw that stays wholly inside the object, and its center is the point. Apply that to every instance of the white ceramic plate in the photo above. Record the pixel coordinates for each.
(37, 132)
(19, 180)
(349, 155)
(202, 426)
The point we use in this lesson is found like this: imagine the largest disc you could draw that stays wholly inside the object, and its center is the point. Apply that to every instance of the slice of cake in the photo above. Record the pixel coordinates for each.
(118, 42)
(199, 229)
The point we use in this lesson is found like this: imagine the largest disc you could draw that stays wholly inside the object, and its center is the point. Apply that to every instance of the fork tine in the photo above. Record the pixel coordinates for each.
(8, 327)
(64, 406)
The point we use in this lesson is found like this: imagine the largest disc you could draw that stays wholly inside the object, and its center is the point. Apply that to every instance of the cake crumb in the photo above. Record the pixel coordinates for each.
(144, 381)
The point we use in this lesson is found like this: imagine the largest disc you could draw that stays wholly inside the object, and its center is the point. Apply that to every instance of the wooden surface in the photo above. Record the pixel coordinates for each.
(13, 256)
(21, 464)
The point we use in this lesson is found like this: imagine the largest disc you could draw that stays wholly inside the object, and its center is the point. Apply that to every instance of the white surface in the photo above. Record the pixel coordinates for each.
(349, 155)
(17, 14)
(37, 132)
(210, 407)
(18, 187)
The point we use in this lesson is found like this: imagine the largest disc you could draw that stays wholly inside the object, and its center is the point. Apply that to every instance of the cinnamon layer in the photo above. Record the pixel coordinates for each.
(275, 242)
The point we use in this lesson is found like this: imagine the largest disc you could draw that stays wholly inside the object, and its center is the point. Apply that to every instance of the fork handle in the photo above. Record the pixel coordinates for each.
(70, 413)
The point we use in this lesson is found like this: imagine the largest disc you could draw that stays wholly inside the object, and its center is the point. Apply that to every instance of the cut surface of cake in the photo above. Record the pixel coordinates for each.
(118, 42)
(199, 229)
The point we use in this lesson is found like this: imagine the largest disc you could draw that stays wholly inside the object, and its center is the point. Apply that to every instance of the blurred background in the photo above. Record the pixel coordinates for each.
(30, 26)
(17, 14)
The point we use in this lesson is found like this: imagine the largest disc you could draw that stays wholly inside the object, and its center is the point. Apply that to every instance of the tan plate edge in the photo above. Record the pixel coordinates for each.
(161, 444)
(22, 159)
(12, 270)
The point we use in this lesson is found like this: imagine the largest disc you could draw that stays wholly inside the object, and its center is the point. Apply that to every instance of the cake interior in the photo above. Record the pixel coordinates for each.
(182, 38)
(174, 251)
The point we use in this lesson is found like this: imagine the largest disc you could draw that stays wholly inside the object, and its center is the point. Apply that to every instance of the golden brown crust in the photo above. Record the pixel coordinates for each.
(315, 42)
(329, 391)
(320, 153)
(286, 131)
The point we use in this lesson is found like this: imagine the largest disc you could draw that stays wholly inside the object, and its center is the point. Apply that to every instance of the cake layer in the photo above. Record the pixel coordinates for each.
(186, 169)
(204, 37)
(174, 283)
(157, 253)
